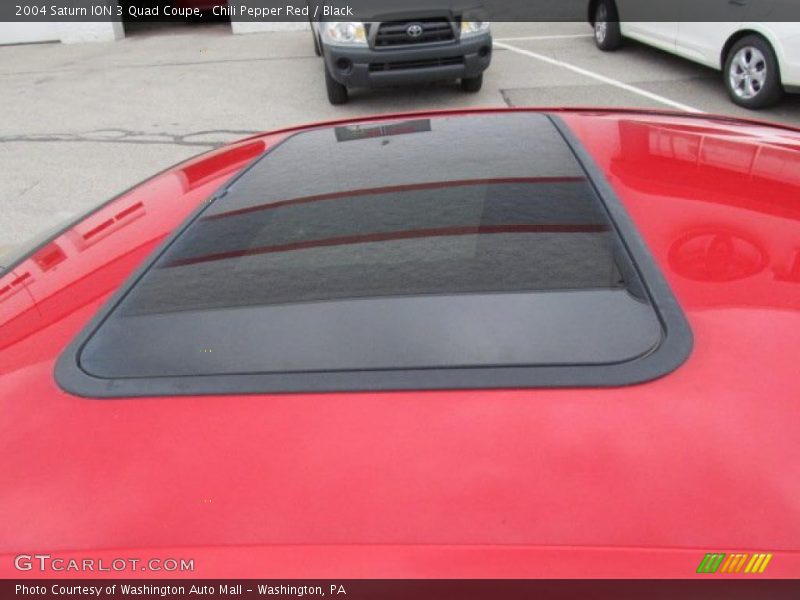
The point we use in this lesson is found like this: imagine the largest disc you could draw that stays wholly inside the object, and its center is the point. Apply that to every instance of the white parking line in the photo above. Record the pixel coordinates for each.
(544, 37)
(602, 78)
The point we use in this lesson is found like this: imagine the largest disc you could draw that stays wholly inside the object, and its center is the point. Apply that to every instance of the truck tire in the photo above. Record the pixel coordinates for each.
(337, 93)
(472, 84)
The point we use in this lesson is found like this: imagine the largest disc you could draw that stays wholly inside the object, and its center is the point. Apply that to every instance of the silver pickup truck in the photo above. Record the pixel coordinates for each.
(435, 46)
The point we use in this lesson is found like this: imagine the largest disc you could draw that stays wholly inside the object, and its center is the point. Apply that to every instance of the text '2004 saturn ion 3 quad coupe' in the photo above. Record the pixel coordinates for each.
(502, 343)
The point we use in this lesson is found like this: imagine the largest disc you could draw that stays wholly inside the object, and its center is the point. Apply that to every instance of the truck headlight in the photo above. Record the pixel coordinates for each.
(469, 28)
(343, 33)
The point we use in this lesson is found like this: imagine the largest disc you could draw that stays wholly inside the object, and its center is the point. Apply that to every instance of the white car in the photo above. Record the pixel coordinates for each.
(759, 60)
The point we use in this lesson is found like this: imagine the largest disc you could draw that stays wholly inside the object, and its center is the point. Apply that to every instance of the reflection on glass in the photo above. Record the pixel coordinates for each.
(467, 237)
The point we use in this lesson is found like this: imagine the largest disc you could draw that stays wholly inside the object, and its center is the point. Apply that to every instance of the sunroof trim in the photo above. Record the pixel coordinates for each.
(674, 348)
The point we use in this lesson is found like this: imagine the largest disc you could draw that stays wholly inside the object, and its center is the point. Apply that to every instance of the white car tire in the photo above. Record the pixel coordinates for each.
(751, 73)
(605, 20)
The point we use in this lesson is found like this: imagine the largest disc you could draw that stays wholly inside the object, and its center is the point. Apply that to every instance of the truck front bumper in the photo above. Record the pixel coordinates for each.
(365, 67)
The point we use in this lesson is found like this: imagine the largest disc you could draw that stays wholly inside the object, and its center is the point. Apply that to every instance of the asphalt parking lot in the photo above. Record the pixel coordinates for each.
(84, 122)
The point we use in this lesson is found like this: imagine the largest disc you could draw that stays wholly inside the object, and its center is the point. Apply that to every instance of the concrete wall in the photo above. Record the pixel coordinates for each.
(69, 33)
(259, 26)
(108, 31)
(21, 33)
(73, 33)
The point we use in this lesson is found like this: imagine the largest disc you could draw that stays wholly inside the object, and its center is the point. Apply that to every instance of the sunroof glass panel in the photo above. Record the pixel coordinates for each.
(436, 239)
(388, 255)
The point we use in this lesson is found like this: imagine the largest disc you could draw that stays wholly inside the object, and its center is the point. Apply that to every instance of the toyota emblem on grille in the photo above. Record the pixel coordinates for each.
(414, 30)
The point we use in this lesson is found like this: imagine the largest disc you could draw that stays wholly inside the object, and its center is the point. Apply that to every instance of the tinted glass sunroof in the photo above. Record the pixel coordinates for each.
(414, 254)
(465, 236)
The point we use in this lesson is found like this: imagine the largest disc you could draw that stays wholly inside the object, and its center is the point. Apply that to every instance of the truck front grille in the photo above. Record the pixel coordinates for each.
(416, 64)
(396, 33)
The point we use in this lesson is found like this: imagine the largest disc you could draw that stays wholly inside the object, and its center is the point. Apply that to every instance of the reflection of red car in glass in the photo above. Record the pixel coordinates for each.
(502, 343)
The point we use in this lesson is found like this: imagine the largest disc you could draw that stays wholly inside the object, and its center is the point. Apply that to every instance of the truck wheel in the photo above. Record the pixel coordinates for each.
(751, 73)
(472, 84)
(337, 93)
(607, 35)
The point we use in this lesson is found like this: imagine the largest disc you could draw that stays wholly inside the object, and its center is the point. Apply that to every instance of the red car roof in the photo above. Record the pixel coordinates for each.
(510, 483)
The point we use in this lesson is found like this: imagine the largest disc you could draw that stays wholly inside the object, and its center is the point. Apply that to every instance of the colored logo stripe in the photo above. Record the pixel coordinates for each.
(710, 563)
(758, 563)
(734, 563)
